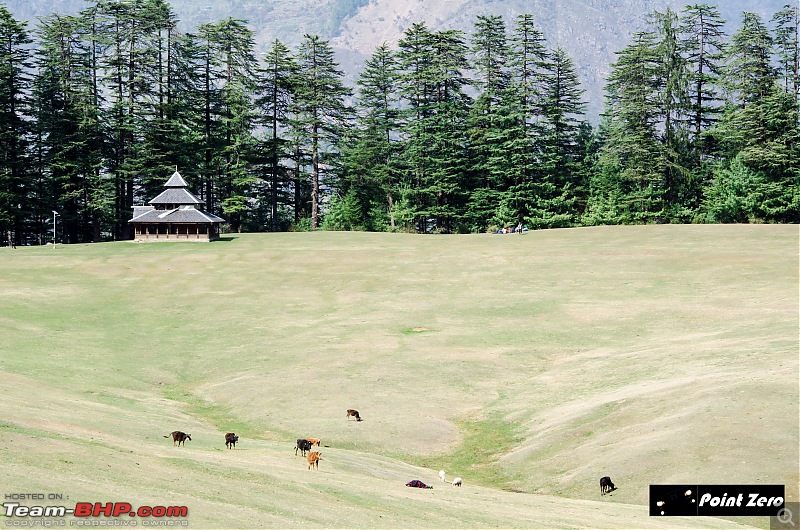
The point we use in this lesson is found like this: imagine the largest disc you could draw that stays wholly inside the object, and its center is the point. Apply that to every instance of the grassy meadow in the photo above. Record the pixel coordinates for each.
(529, 365)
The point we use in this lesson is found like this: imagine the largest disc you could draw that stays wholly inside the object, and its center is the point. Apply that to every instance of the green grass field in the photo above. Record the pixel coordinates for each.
(529, 365)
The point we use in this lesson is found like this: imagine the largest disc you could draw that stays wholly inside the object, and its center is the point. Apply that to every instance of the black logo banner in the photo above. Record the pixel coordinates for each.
(716, 500)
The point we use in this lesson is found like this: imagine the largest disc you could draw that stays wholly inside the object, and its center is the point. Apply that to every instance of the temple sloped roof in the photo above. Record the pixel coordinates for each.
(176, 193)
(176, 181)
(175, 204)
(176, 196)
(184, 214)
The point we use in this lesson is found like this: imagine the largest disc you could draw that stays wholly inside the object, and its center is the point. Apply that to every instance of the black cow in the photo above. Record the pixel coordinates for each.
(180, 437)
(303, 445)
(230, 440)
(606, 486)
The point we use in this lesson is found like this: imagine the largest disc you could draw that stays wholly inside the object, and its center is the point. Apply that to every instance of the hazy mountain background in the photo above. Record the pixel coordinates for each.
(590, 30)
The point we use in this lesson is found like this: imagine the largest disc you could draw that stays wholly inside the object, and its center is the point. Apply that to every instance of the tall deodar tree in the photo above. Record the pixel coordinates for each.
(276, 92)
(15, 205)
(69, 128)
(371, 167)
(320, 109)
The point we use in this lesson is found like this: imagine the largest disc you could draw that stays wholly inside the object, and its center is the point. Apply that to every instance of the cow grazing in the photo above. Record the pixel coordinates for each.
(179, 437)
(606, 486)
(230, 440)
(313, 459)
(303, 445)
(353, 413)
(314, 441)
(457, 481)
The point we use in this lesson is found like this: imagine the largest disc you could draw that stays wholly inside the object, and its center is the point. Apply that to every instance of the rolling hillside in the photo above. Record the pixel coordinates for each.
(528, 365)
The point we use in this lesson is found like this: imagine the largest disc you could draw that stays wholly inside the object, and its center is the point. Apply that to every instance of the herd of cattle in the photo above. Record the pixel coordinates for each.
(304, 445)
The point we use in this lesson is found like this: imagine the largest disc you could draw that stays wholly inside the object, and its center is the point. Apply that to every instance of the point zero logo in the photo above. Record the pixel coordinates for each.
(716, 500)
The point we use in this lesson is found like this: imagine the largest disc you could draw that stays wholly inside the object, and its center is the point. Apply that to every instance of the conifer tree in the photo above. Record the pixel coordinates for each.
(276, 92)
(787, 41)
(758, 129)
(673, 102)
(228, 67)
(235, 44)
(106, 102)
(444, 188)
(14, 110)
(168, 136)
(529, 60)
(702, 42)
(209, 80)
(130, 34)
(505, 194)
(371, 150)
(629, 186)
(558, 184)
(490, 53)
(179, 136)
(415, 55)
(321, 111)
(67, 122)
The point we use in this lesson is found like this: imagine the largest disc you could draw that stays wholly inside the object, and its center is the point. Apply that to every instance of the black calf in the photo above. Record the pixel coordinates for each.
(303, 445)
(606, 486)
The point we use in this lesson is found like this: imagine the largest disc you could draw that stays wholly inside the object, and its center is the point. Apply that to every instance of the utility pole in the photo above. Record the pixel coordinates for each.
(55, 213)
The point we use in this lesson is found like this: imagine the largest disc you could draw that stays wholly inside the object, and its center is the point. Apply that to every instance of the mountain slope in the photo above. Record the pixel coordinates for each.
(590, 30)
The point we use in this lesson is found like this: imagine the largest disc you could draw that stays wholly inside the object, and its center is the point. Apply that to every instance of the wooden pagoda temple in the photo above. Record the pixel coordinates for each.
(175, 215)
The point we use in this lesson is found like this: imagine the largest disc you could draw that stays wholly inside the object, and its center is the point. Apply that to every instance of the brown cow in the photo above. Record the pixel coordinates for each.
(230, 440)
(353, 413)
(313, 459)
(180, 437)
(314, 441)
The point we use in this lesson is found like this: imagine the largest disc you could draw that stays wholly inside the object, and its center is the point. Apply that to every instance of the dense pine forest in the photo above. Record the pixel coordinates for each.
(443, 133)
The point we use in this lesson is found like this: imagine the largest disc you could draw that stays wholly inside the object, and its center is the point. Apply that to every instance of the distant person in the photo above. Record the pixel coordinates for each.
(519, 227)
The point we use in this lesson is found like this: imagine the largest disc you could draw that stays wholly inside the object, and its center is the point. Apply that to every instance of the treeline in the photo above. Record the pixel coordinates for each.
(443, 133)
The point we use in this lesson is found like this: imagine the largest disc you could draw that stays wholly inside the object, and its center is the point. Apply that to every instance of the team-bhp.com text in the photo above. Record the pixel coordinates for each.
(86, 514)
